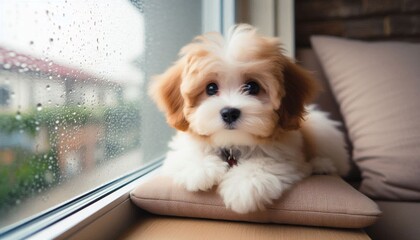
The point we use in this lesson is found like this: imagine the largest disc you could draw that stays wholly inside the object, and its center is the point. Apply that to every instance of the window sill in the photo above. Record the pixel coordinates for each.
(104, 214)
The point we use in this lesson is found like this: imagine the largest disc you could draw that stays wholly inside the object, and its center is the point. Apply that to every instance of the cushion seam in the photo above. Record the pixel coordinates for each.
(268, 208)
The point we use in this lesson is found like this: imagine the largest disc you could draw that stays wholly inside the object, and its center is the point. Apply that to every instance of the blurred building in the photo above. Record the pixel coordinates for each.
(29, 84)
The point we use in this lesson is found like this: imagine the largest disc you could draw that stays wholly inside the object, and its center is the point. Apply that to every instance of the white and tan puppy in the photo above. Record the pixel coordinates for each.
(239, 107)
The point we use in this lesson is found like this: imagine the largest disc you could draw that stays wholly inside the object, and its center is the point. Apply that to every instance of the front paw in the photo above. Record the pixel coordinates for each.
(202, 175)
(245, 193)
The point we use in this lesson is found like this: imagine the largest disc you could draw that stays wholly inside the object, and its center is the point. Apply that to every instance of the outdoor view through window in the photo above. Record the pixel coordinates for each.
(72, 84)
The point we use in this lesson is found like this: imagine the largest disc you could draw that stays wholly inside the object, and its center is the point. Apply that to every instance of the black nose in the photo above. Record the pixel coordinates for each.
(229, 115)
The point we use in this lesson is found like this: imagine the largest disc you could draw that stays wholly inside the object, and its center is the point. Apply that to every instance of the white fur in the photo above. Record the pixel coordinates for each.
(330, 148)
(264, 172)
(254, 113)
(265, 169)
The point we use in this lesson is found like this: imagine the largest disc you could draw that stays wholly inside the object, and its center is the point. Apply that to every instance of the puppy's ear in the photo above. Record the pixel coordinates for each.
(165, 91)
(300, 88)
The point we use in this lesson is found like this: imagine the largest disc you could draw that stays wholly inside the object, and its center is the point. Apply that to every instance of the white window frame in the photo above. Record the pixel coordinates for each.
(218, 15)
(274, 18)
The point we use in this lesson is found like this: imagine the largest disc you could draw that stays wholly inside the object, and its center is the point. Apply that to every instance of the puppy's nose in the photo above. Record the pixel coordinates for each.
(229, 115)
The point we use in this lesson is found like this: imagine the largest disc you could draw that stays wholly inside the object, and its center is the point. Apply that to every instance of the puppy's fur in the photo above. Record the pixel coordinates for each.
(275, 142)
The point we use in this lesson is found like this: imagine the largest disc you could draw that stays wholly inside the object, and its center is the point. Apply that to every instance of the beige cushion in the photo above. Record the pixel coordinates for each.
(316, 201)
(377, 86)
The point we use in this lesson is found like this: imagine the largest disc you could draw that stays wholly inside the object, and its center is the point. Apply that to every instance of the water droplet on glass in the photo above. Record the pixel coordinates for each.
(39, 107)
(48, 87)
(7, 66)
(57, 121)
(51, 39)
(31, 43)
(18, 116)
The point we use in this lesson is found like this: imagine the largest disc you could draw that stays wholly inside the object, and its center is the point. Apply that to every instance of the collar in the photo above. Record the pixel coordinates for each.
(230, 156)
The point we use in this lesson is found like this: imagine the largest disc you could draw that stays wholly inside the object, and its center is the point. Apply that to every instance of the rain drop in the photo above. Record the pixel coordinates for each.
(7, 66)
(31, 43)
(39, 107)
(48, 87)
(18, 116)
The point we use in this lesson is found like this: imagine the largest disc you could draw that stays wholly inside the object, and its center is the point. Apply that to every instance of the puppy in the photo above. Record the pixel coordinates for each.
(239, 107)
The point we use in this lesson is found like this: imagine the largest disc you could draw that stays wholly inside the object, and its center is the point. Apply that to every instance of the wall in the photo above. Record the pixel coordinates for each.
(359, 19)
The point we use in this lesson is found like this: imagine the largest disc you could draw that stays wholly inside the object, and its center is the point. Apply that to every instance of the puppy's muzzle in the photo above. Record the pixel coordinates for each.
(230, 115)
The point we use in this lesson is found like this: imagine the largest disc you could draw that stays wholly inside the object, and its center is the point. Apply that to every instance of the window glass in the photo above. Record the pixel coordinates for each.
(74, 110)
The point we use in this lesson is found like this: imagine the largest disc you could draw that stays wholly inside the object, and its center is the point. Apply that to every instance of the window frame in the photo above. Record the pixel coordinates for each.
(60, 219)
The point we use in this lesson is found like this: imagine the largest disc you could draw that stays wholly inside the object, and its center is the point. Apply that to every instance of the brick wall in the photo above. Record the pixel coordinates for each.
(359, 19)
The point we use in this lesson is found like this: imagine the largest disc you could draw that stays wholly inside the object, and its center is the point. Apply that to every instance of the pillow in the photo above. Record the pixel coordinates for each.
(377, 86)
(316, 201)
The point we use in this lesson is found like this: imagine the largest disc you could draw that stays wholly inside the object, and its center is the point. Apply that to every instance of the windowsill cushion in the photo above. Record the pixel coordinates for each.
(326, 201)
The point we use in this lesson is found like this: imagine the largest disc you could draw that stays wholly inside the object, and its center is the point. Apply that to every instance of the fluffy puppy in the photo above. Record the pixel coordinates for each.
(239, 107)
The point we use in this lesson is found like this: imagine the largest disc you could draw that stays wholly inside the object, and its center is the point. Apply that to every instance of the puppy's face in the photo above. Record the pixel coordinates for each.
(236, 91)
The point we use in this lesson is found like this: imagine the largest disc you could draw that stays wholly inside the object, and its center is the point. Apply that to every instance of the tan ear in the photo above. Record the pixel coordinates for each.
(300, 88)
(165, 91)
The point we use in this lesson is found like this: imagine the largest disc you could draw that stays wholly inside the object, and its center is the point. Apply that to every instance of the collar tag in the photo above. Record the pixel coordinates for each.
(230, 157)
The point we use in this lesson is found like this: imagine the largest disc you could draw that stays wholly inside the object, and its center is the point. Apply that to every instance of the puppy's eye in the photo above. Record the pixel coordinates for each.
(212, 89)
(251, 88)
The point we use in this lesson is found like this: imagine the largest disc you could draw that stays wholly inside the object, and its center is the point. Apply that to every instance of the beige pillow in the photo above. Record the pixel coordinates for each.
(316, 201)
(377, 86)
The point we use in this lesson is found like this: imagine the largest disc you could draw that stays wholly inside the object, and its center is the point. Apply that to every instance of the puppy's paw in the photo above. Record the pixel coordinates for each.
(322, 165)
(244, 193)
(202, 175)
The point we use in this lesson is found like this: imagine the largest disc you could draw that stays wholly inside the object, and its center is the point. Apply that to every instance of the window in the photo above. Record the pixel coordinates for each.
(74, 111)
